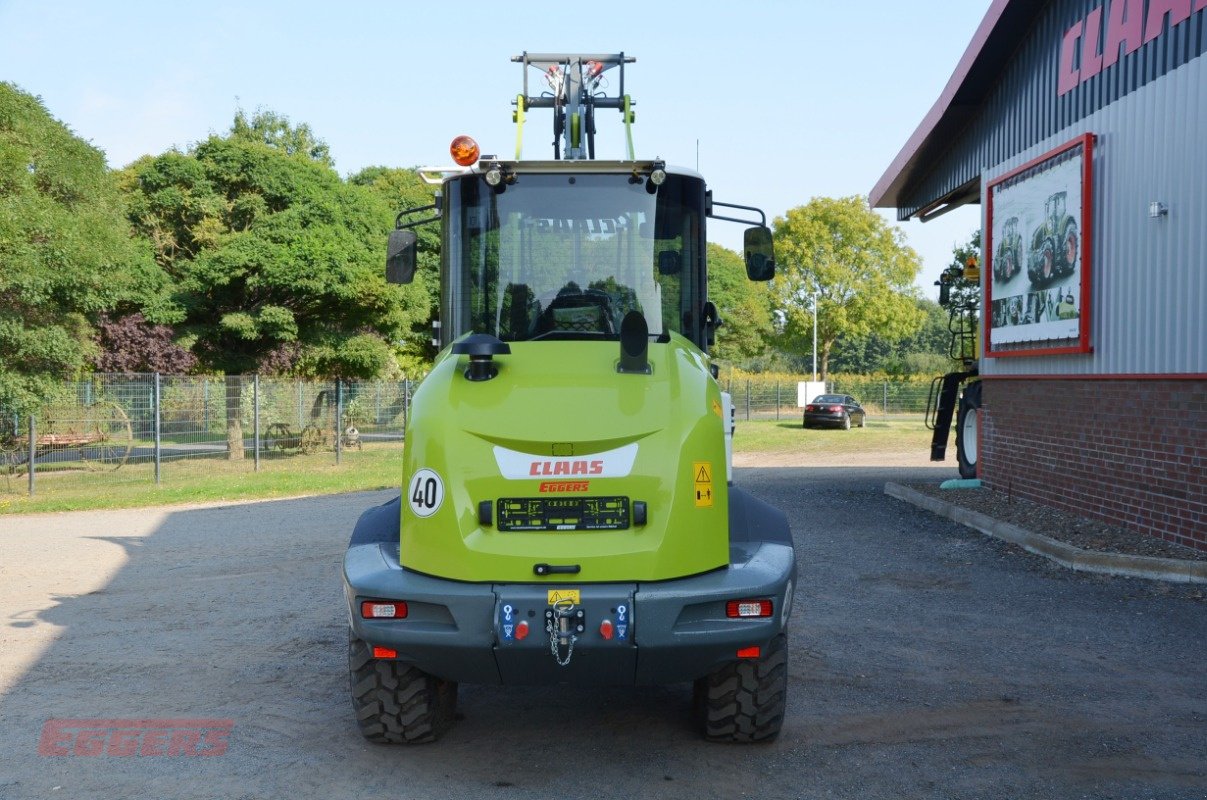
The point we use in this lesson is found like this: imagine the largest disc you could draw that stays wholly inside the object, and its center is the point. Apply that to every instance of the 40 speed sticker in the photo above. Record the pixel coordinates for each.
(426, 493)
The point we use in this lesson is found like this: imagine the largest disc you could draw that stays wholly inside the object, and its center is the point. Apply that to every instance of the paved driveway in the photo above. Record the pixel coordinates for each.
(926, 661)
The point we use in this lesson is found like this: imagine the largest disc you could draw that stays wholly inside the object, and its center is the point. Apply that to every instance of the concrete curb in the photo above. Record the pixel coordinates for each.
(1159, 569)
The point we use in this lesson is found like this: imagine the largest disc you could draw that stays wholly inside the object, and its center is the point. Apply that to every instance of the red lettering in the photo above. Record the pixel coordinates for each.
(154, 742)
(1178, 11)
(1068, 75)
(90, 742)
(1124, 26)
(596, 467)
(184, 742)
(55, 741)
(580, 468)
(123, 742)
(553, 487)
(533, 470)
(1091, 56)
(1199, 5)
(561, 468)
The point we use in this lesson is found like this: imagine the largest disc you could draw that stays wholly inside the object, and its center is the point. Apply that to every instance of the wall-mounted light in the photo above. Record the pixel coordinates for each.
(1157, 209)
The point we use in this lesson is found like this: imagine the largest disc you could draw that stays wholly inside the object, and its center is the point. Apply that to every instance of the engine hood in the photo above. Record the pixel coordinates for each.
(564, 448)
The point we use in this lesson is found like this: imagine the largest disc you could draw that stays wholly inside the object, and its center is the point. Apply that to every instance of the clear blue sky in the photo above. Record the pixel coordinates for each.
(787, 100)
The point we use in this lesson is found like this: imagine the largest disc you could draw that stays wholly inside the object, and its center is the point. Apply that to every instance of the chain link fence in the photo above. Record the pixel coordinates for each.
(754, 399)
(123, 428)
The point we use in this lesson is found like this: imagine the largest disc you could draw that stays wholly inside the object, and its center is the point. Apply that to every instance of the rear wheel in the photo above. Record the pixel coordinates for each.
(396, 703)
(846, 422)
(1070, 246)
(967, 423)
(744, 701)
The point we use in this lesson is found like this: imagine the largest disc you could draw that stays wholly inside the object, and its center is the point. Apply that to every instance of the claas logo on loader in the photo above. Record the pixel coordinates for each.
(540, 468)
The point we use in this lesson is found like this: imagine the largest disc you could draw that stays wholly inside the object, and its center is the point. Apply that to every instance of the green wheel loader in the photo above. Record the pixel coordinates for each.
(567, 511)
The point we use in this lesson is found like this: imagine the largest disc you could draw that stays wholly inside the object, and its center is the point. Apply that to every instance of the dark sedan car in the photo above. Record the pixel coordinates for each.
(834, 410)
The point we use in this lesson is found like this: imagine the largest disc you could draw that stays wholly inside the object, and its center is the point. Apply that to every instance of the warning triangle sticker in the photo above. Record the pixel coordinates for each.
(702, 476)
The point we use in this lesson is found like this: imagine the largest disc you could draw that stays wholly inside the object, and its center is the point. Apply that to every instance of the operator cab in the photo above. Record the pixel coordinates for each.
(567, 253)
(561, 250)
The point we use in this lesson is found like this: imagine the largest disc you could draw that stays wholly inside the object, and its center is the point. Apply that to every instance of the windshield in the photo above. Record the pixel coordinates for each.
(561, 256)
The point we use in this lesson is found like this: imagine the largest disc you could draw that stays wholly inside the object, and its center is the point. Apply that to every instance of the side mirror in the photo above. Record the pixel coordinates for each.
(400, 256)
(760, 254)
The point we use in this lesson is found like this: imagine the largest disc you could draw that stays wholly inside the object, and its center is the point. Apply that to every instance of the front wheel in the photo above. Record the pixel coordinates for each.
(744, 701)
(967, 423)
(396, 703)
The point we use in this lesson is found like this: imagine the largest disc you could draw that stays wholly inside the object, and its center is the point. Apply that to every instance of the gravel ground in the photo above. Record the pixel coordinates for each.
(1088, 534)
(925, 661)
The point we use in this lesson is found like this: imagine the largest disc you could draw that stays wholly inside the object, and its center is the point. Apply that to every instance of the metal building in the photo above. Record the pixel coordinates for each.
(1080, 127)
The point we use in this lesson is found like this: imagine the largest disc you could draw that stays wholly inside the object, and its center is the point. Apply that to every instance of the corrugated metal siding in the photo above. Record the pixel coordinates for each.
(1024, 109)
(1149, 276)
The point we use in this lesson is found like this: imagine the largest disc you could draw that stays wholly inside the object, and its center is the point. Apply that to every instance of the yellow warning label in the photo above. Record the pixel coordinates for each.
(716, 409)
(702, 472)
(564, 596)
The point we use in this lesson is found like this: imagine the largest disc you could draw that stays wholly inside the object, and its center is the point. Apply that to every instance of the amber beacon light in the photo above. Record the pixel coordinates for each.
(464, 150)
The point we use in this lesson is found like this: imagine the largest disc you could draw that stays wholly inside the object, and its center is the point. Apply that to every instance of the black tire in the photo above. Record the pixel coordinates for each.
(744, 701)
(396, 703)
(846, 422)
(804, 423)
(967, 452)
(863, 420)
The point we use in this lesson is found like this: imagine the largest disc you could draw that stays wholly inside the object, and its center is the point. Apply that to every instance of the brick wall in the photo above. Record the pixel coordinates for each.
(1130, 452)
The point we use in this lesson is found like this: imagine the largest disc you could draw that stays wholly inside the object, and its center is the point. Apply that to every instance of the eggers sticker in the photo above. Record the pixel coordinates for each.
(426, 493)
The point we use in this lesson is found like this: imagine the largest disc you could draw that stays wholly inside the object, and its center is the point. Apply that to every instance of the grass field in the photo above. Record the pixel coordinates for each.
(205, 480)
(378, 467)
(881, 434)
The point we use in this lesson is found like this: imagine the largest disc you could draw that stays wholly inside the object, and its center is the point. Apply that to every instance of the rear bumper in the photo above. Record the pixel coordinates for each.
(673, 631)
(821, 420)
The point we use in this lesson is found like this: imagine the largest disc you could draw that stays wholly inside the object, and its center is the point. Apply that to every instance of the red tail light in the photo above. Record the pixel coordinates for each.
(836, 408)
(383, 609)
(741, 609)
(749, 652)
(384, 652)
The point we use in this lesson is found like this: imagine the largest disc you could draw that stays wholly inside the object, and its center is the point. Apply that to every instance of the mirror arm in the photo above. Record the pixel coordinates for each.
(762, 217)
(399, 225)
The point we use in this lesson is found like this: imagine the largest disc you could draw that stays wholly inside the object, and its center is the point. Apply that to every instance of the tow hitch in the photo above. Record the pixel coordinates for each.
(564, 622)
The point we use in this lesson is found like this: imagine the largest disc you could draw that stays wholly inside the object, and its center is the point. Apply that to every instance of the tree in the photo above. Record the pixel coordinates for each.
(925, 352)
(403, 189)
(742, 305)
(133, 344)
(277, 262)
(274, 130)
(66, 253)
(860, 267)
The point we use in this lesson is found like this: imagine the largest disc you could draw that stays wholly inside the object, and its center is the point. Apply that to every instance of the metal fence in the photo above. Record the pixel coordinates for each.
(139, 427)
(755, 399)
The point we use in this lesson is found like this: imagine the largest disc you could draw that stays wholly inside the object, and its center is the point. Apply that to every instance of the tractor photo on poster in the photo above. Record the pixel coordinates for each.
(1038, 279)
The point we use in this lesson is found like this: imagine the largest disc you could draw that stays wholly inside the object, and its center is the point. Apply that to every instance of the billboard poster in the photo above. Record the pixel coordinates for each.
(1038, 255)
